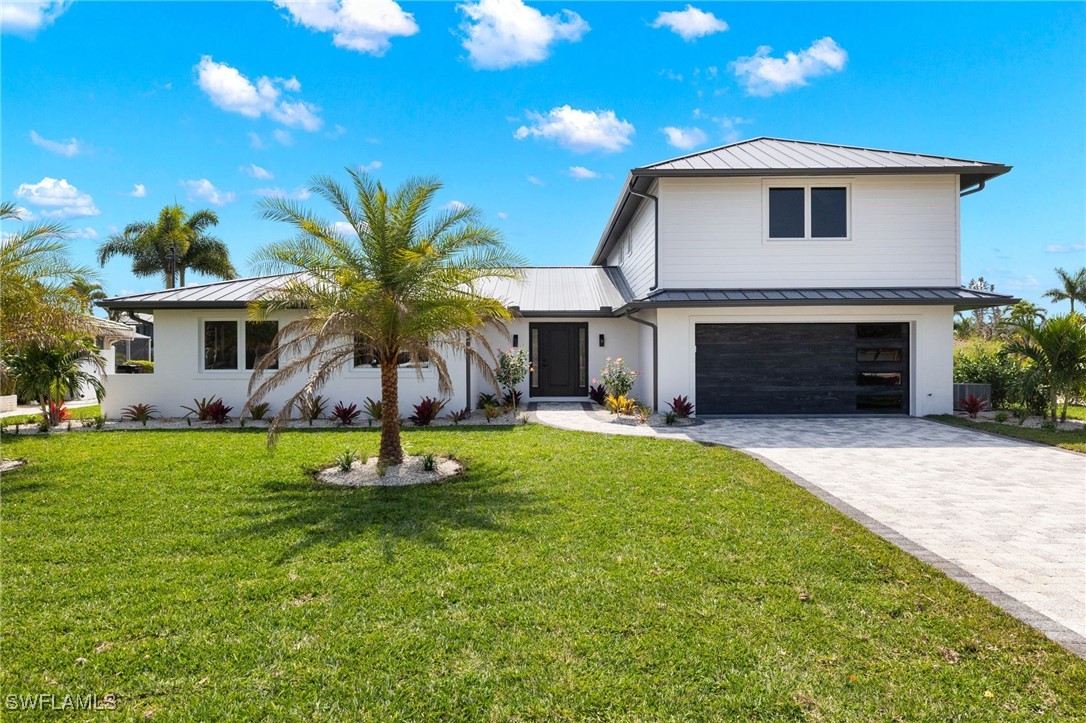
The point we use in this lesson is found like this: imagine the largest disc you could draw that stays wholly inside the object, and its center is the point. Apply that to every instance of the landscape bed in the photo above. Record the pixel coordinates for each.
(562, 576)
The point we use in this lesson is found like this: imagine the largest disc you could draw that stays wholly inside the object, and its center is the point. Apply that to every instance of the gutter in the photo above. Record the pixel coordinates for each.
(978, 189)
(655, 236)
(655, 358)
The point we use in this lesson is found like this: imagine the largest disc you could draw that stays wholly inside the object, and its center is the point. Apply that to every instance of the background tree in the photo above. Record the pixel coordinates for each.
(395, 286)
(89, 292)
(49, 373)
(1056, 353)
(171, 245)
(1072, 288)
(985, 321)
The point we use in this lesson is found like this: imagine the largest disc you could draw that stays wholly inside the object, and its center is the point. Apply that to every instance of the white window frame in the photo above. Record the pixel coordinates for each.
(371, 371)
(240, 351)
(807, 185)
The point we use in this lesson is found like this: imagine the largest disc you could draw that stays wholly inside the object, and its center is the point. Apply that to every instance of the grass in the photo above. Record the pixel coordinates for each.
(87, 412)
(1076, 412)
(1073, 440)
(565, 576)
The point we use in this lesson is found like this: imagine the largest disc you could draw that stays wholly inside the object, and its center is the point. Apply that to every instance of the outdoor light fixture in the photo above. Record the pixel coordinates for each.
(601, 339)
(516, 339)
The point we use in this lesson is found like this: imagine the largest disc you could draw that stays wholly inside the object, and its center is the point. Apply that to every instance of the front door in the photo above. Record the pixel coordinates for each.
(559, 354)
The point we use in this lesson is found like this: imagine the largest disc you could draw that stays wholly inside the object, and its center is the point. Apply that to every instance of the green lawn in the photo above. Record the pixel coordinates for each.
(1073, 440)
(565, 576)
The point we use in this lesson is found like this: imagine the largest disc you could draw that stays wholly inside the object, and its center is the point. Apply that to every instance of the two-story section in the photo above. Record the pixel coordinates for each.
(788, 277)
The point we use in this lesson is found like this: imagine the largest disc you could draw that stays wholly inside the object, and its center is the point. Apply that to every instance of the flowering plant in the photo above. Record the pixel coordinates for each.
(617, 377)
(512, 367)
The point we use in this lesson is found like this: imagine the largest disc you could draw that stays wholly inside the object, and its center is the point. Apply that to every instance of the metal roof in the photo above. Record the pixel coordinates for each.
(556, 290)
(782, 157)
(960, 297)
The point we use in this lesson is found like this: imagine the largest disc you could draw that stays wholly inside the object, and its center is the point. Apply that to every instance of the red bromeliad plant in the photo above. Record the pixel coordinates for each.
(681, 406)
(217, 412)
(973, 406)
(426, 411)
(345, 414)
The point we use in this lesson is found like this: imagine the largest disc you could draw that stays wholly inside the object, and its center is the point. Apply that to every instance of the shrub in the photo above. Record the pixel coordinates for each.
(617, 378)
(973, 406)
(512, 399)
(643, 412)
(1050, 425)
(429, 462)
(345, 415)
(987, 363)
(681, 406)
(99, 422)
(1002, 417)
(257, 411)
(426, 411)
(217, 412)
(512, 367)
(312, 407)
(459, 415)
(141, 366)
(346, 460)
(670, 418)
(43, 426)
(486, 400)
(200, 406)
(373, 409)
(597, 394)
(1021, 414)
(491, 411)
(139, 413)
(620, 404)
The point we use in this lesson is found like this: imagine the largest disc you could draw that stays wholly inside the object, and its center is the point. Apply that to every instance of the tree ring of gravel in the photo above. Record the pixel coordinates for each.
(364, 474)
(9, 464)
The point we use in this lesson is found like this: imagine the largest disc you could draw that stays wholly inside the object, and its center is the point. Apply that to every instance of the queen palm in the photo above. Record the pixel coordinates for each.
(394, 285)
(171, 245)
(1072, 287)
(1055, 350)
(88, 291)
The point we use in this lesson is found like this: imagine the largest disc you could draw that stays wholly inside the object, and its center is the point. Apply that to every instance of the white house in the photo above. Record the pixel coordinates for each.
(764, 277)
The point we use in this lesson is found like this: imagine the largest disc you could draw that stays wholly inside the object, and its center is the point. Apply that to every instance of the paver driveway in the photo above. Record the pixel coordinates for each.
(1007, 518)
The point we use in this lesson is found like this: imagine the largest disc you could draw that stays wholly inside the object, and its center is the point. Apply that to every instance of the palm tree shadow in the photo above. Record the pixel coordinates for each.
(485, 497)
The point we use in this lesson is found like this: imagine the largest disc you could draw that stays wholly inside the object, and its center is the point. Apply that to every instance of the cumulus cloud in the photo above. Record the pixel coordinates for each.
(298, 194)
(138, 191)
(26, 17)
(765, 75)
(500, 34)
(336, 132)
(57, 198)
(535, 181)
(86, 232)
(1064, 248)
(69, 148)
(454, 206)
(581, 173)
(255, 141)
(365, 26)
(684, 138)
(581, 131)
(204, 190)
(230, 90)
(502, 215)
(691, 23)
(284, 138)
(344, 229)
(370, 167)
(254, 171)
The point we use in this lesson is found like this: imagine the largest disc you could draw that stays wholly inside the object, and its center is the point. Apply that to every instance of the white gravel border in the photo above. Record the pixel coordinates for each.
(366, 474)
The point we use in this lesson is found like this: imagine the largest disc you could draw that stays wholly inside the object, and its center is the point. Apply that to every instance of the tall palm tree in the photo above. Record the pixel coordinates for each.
(170, 245)
(1056, 353)
(1072, 287)
(395, 285)
(37, 301)
(89, 292)
(50, 372)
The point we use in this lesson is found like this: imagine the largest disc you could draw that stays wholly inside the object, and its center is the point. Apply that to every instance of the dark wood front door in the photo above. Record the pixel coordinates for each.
(559, 354)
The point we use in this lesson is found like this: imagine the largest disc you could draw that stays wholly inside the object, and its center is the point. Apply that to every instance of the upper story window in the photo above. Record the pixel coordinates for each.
(802, 212)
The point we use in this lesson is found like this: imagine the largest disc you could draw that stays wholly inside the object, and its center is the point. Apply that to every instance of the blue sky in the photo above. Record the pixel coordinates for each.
(184, 99)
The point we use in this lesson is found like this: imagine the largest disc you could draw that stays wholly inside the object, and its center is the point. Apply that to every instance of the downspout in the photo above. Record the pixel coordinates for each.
(467, 368)
(655, 359)
(978, 189)
(655, 236)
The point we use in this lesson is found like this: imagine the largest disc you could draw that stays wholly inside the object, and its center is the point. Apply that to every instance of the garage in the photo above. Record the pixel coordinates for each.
(802, 368)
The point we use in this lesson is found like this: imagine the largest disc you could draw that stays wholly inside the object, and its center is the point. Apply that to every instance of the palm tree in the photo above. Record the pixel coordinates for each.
(171, 245)
(89, 292)
(394, 286)
(1073, 288)
(37, 301)
(1056, 353)
(50, 372)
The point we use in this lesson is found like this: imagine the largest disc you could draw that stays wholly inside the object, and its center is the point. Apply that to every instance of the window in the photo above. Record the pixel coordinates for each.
(258, 341)
(365, 356)
(808, 212)
(878, 355)
(220, 345)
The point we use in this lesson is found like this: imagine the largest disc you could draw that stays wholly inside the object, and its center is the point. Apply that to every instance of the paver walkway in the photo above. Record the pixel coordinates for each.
(1004, 517)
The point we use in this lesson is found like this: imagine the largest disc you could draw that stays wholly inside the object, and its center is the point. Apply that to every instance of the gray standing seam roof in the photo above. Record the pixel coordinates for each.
(960, 297)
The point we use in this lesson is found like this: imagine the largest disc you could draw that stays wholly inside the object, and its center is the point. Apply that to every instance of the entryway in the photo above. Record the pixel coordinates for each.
(559, 354)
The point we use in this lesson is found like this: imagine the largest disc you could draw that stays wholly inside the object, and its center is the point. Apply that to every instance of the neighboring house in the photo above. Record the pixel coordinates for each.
(141, 346)
(764, 277)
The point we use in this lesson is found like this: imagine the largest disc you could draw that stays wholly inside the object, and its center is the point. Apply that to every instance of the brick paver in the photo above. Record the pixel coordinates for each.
(1005, 517)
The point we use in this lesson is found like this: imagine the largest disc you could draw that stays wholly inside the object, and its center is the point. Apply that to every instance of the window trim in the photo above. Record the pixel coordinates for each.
(807, 185)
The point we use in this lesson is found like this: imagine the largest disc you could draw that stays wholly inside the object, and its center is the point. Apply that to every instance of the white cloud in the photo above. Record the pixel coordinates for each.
(290, 84)
(690, 24)
(336, 132)
(504, 33)
(230, 90)
(25, 17)
(502, 215)
(684, 138)
(1064, 248)
(362, 25)
(255, 171)
(581, 131)
(204, 190)
(86, 232)
(255, 141)
(729, 126)
(283, 137)
(344, 229)
(370, 167)
(138, 191)
(765, 75)
(69, 148)
(57, 199)
(454, 206)
(581, 173)
(535, 181)
(298, 194)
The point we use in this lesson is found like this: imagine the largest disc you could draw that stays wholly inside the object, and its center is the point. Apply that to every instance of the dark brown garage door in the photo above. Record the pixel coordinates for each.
(802, 368)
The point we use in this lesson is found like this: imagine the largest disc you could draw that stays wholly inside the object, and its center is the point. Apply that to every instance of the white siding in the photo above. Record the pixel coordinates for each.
(635, 253)
(904, 232)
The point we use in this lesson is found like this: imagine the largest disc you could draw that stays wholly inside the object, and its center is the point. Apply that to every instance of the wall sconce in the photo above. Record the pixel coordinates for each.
(516, 339)
(601, 339)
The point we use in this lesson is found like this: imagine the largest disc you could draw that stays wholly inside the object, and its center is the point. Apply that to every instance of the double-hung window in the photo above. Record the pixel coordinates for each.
(803, 212)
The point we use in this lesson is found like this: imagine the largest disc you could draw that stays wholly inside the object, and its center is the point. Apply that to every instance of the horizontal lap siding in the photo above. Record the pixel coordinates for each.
(904, 233)
(636, 251)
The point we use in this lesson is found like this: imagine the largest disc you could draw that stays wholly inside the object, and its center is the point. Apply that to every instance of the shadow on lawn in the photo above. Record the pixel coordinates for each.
(484, 497)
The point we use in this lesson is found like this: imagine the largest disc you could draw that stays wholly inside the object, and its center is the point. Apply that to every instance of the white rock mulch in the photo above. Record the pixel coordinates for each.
(1034, 422)
(654, 420)
(401, 475)
(7, 465)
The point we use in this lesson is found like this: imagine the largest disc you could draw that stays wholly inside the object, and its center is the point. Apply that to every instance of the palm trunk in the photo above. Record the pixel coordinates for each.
(44, 402)
(1053, 402)
(181, 276)
(391, 451)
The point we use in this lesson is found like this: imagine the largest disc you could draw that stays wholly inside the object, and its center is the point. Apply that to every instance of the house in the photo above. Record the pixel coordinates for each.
(768, 276)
